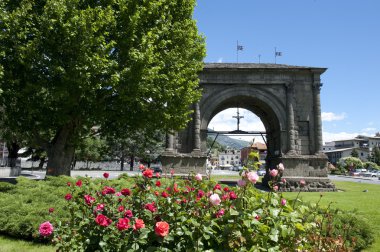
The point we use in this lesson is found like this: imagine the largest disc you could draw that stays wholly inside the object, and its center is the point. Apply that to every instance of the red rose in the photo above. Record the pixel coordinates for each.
(51, 210)
(123, 224)
(79, 183)
(125, 192)
(148, 173)
(108, 190)
(141, 167)
(89, 199)
(106, 175)
(68, 184)
(158, 183)
(200, 194)
(217, 187)
(120, 209)
(103, 220)
(233, 195)
(161, 228)
(128, 214)
(226, 189)
(220, 213)
(100, 207)
(164, 194)
(151, 207)
(68, 196)
(139, 223)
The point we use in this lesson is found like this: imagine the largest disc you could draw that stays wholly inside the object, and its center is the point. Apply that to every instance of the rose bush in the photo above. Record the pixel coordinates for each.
(164, 213)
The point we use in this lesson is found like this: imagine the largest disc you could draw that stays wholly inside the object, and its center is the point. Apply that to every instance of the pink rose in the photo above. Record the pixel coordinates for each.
(283, 180)
(241, 183)
(214, 199)
(123, 224)
(139, 223)
(273, 172)
(253, 177)
(302, 182)
(198, 177)
(280, 167)
(283, 202)
(275, 188)
(120, 209)
(161, 228)
(103, 220)
(158, 175)
(46, 229)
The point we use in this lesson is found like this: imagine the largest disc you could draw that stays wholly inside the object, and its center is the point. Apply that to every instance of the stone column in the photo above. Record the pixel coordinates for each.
(317, 116)
(169, 142)
(197, 128)
(290, 118)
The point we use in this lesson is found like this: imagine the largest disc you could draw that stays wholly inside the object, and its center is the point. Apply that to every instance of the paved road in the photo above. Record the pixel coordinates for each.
(115, 174)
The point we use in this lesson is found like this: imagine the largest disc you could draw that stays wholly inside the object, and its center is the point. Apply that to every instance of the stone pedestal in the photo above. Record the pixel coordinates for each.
(312, 169)
(184, 163)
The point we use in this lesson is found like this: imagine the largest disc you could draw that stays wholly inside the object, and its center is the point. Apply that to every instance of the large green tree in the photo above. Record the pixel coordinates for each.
(68, 65)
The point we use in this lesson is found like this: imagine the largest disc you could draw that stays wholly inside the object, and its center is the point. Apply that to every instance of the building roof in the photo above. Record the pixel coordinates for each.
(259, 146)
(345, 149)
(352, 139)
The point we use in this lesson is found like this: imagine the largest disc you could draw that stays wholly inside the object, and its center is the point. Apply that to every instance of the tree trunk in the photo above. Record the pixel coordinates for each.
(41, 164)
(13, 149)
(132, 163)
(61, 151)
(122, 163)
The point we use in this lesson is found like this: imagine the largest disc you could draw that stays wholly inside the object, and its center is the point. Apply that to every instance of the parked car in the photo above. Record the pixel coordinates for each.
(237, 168)
(261, 172)
(373, 173)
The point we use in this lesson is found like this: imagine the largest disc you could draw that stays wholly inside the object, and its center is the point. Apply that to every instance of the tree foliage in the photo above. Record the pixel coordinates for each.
(68, 65)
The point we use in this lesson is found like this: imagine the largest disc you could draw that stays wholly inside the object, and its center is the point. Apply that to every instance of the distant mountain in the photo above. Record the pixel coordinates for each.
(229, 141)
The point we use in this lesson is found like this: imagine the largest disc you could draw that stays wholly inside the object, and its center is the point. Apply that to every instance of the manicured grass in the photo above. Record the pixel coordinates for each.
(13, 245)
(352, 197)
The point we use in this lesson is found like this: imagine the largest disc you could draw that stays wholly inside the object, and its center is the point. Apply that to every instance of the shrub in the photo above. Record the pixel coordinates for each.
(150, 213)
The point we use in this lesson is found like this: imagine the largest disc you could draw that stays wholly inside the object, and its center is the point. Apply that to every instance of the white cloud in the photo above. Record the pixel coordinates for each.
(224, 121)
(330, 116)
(220, 60)
(334, 136)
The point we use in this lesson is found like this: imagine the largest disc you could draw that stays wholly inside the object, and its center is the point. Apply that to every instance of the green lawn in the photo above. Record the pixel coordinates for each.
(13, 245)
(352, 197)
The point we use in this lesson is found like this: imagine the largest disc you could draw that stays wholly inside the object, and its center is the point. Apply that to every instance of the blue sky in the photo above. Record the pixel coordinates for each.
(343, 36)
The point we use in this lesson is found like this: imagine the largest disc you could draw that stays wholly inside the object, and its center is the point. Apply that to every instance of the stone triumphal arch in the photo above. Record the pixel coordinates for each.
(287, 100)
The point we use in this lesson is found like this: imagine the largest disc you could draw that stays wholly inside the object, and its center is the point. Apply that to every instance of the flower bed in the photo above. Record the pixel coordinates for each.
(164, 213)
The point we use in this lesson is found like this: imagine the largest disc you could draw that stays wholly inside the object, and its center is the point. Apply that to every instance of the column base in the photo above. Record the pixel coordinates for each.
(184, 163)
